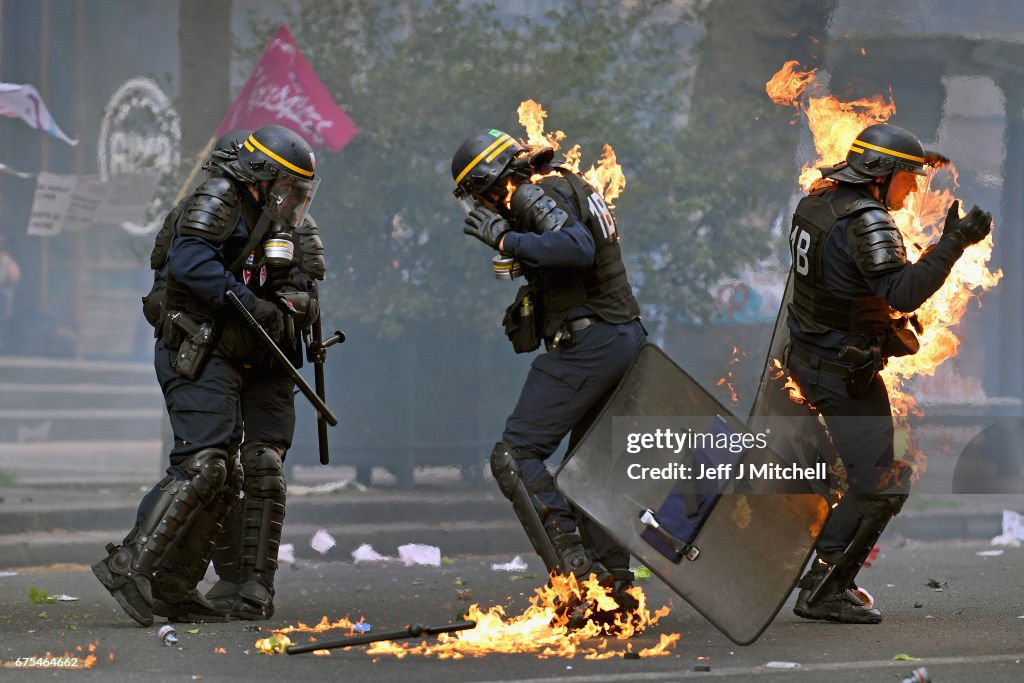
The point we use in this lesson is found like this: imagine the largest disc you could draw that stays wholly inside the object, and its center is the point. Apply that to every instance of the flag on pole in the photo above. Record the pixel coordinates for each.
(23, 102)
(283, 89)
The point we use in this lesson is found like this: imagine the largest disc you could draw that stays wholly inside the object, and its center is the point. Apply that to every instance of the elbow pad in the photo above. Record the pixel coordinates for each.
(876, 242)
(534, 211)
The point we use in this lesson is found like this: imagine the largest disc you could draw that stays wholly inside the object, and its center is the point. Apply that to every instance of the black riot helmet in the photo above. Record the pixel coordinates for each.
(879, 151)
(280, 158)
(482, 160)
(232, 141)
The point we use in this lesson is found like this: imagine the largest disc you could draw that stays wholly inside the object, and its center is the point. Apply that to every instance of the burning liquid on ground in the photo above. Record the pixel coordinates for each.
(543, 629)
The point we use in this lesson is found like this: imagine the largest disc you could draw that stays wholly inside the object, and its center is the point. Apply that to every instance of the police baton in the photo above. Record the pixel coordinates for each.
(278, 354)
(316, 352)
(414, 631)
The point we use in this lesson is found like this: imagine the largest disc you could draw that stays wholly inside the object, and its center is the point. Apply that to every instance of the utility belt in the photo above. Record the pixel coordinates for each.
(565, 336)
(856, 366)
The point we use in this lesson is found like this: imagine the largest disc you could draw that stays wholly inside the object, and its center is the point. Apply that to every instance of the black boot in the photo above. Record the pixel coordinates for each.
(223, 594)
(177, 599)
(575, 559)
(840, 605)
(130, 588)
(254, 602)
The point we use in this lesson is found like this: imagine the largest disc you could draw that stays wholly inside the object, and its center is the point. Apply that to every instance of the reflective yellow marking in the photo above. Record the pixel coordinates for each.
(284, 162)
(885, 150)
(504, 138)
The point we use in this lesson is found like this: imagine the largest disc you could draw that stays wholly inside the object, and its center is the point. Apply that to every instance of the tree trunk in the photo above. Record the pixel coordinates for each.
(205, 42)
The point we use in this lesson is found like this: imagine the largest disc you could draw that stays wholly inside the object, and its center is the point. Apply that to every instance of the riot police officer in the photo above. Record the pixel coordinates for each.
(579, 303)
(268, 415)
(853, 291)
(255, 196)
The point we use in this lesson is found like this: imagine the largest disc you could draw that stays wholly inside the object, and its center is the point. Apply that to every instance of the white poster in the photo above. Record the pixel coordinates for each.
(51, 202)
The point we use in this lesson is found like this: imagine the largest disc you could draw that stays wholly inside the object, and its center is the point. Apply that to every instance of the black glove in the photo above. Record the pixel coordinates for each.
(486, 226)
(971, 229)
(279, 277)
(270, 317)
(935, 159)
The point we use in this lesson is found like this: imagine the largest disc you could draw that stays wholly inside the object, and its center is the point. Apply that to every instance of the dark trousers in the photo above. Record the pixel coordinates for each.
(205, 412)
(563, 392)
(862, 431)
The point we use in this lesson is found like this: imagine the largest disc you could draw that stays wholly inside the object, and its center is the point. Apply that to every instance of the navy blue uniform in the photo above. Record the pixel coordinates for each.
(566, 387)
(861, 426)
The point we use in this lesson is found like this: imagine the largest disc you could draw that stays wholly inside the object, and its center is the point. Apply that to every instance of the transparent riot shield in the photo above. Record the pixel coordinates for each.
(733, 549)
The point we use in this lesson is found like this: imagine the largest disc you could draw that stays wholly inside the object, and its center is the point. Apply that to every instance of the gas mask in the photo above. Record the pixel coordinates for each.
(287, 201)
(504, 267)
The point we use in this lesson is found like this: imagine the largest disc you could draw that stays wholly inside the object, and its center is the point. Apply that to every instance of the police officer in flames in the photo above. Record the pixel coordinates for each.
(853, 294)
(578, 302)
(256, 195)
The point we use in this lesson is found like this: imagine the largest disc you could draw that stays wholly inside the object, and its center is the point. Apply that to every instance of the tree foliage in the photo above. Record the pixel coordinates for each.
(418, 78)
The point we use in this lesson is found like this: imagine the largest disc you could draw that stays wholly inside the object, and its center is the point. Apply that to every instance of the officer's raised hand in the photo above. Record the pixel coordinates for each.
(971, 229)
(270, 316)
(486, 225)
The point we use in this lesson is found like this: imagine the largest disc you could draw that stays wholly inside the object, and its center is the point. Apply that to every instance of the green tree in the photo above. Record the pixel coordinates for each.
(419, 77)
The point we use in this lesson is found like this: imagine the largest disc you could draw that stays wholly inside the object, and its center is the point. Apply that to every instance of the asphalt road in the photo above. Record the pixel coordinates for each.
(970, 629)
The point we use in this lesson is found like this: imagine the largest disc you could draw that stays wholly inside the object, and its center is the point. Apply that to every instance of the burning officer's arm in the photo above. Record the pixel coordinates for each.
(548, 231)
(876, 245)
(571, 246)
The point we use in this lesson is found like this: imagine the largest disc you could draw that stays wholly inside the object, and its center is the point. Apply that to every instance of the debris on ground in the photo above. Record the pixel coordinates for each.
(516, 564)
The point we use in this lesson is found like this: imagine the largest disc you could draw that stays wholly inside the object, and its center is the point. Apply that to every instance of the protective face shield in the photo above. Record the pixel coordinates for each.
(288, 200)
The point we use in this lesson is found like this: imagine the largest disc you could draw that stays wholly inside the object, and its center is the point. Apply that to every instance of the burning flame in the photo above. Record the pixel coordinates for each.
(542, 629)
(277, 642)
(729, 378)
(777, 372)
(605, 176)
(834, 125)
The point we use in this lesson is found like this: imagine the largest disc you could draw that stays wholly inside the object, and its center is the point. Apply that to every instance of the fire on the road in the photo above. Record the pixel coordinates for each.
(834, 124)
(542, 629)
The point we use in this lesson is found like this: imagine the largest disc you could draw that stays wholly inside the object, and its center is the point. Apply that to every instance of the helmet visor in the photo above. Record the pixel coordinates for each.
(288, 199)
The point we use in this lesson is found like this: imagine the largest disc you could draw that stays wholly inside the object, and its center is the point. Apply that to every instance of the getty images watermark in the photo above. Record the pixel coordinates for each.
(949, 454)
(712, 453)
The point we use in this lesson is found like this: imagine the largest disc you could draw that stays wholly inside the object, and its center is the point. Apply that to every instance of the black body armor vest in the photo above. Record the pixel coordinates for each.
(602, 287)
(814, 306)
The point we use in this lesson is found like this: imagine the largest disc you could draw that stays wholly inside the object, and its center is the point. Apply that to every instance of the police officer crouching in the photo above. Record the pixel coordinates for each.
(579, 303)
(853, 288)
(255, 196)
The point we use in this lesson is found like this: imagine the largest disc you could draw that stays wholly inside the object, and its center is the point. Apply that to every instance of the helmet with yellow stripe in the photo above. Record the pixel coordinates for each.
(879, 151)
(282, 164)
(272, 150)
(482, 160)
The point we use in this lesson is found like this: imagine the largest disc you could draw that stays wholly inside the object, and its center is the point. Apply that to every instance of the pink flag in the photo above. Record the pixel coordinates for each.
(23, 102)
(284, 89)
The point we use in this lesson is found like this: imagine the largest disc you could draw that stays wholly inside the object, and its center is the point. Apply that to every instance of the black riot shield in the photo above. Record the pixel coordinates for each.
(735, 552)
(796, 430)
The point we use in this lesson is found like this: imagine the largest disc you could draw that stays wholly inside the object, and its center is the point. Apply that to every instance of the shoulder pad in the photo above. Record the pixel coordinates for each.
(310, 250)
(534, 210)
(212, 210)
(848, 203)
(876, 242)
(162, 243)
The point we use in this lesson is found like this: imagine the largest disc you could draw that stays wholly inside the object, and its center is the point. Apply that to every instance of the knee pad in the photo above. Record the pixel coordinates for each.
(207, 470)
(263, 467)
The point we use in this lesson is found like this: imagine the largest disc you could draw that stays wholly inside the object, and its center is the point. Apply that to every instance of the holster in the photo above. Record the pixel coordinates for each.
(523, 319)
(865, 365)
(196, 342)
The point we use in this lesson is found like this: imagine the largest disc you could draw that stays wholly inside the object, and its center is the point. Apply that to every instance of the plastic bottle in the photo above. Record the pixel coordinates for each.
(918, 675)
(168, 635)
